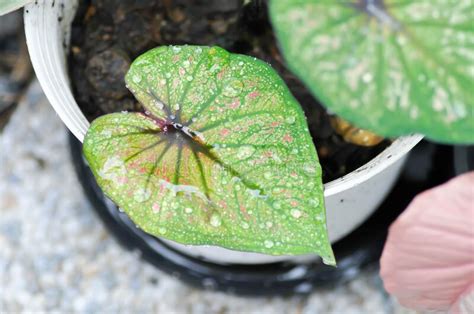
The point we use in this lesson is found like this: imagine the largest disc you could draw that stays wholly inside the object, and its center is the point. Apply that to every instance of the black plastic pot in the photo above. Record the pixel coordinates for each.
(428, 165)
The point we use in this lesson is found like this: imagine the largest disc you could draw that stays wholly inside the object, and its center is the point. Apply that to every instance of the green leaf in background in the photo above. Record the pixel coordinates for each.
(394, 67)
(222, 156)
(7, 6)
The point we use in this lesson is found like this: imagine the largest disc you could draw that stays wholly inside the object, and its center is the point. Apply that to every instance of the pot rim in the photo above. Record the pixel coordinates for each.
(45, 49)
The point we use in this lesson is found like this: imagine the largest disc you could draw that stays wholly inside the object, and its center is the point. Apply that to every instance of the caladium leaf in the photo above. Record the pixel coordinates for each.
(222, 156)
(392, 66)
(7, 6)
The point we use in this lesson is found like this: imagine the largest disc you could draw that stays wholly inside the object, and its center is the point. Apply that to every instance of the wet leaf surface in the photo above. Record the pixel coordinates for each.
(394, 67)
(222, 156)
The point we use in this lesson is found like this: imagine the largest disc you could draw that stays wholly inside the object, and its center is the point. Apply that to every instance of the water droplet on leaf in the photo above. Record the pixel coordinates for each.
(215, 220)
(296, 213)
(232, 88)
(290, 120)
(141, 195)
(136, 79)
(245, 152)
(268, 244)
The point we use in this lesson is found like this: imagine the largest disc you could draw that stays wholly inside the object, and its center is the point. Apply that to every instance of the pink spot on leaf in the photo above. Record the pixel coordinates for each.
(175, 83)
(243, 210)
(224, 132)
(155, 207)
(235, 104)
(254, 95)
(122, 180)
(220, 75)
(223, 204)
(287, 138)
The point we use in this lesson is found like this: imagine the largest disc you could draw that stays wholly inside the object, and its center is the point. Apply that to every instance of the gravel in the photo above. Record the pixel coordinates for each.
(56, 256)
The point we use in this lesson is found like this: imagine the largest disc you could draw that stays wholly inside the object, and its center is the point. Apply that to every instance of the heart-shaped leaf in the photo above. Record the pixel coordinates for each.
(222, 156)
(394, 67)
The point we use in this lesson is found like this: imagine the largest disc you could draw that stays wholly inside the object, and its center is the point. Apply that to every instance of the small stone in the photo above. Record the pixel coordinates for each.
(134, 33)
(106, 71)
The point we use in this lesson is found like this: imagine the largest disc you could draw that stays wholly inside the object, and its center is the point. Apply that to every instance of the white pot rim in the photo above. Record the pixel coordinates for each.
(394, 152)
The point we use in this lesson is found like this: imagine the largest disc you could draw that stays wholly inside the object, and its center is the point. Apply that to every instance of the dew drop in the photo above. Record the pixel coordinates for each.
(136, 79)
(106, 133)
(113, 168)
(459, 110)
(189, 78)
(215, 68)
(141, 195)
(245, 152)
(290, 120)
(257, 194)
(232, 87)
(215, 220)
(314, 202)
(401, 40)
(319, 217)
(310, 169)
(367, 77)
(268, 244)
(188, 210)
(296, 213)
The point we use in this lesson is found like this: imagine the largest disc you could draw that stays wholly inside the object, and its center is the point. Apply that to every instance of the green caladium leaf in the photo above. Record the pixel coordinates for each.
(7, 6)
(222, 156)
(393, 66)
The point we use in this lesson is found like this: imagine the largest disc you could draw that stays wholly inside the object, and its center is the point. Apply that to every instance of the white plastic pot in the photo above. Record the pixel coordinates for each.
(349, 200)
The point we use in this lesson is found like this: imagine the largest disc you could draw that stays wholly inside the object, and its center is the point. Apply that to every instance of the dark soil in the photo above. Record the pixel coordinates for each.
(15, 67)
(108, 34)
